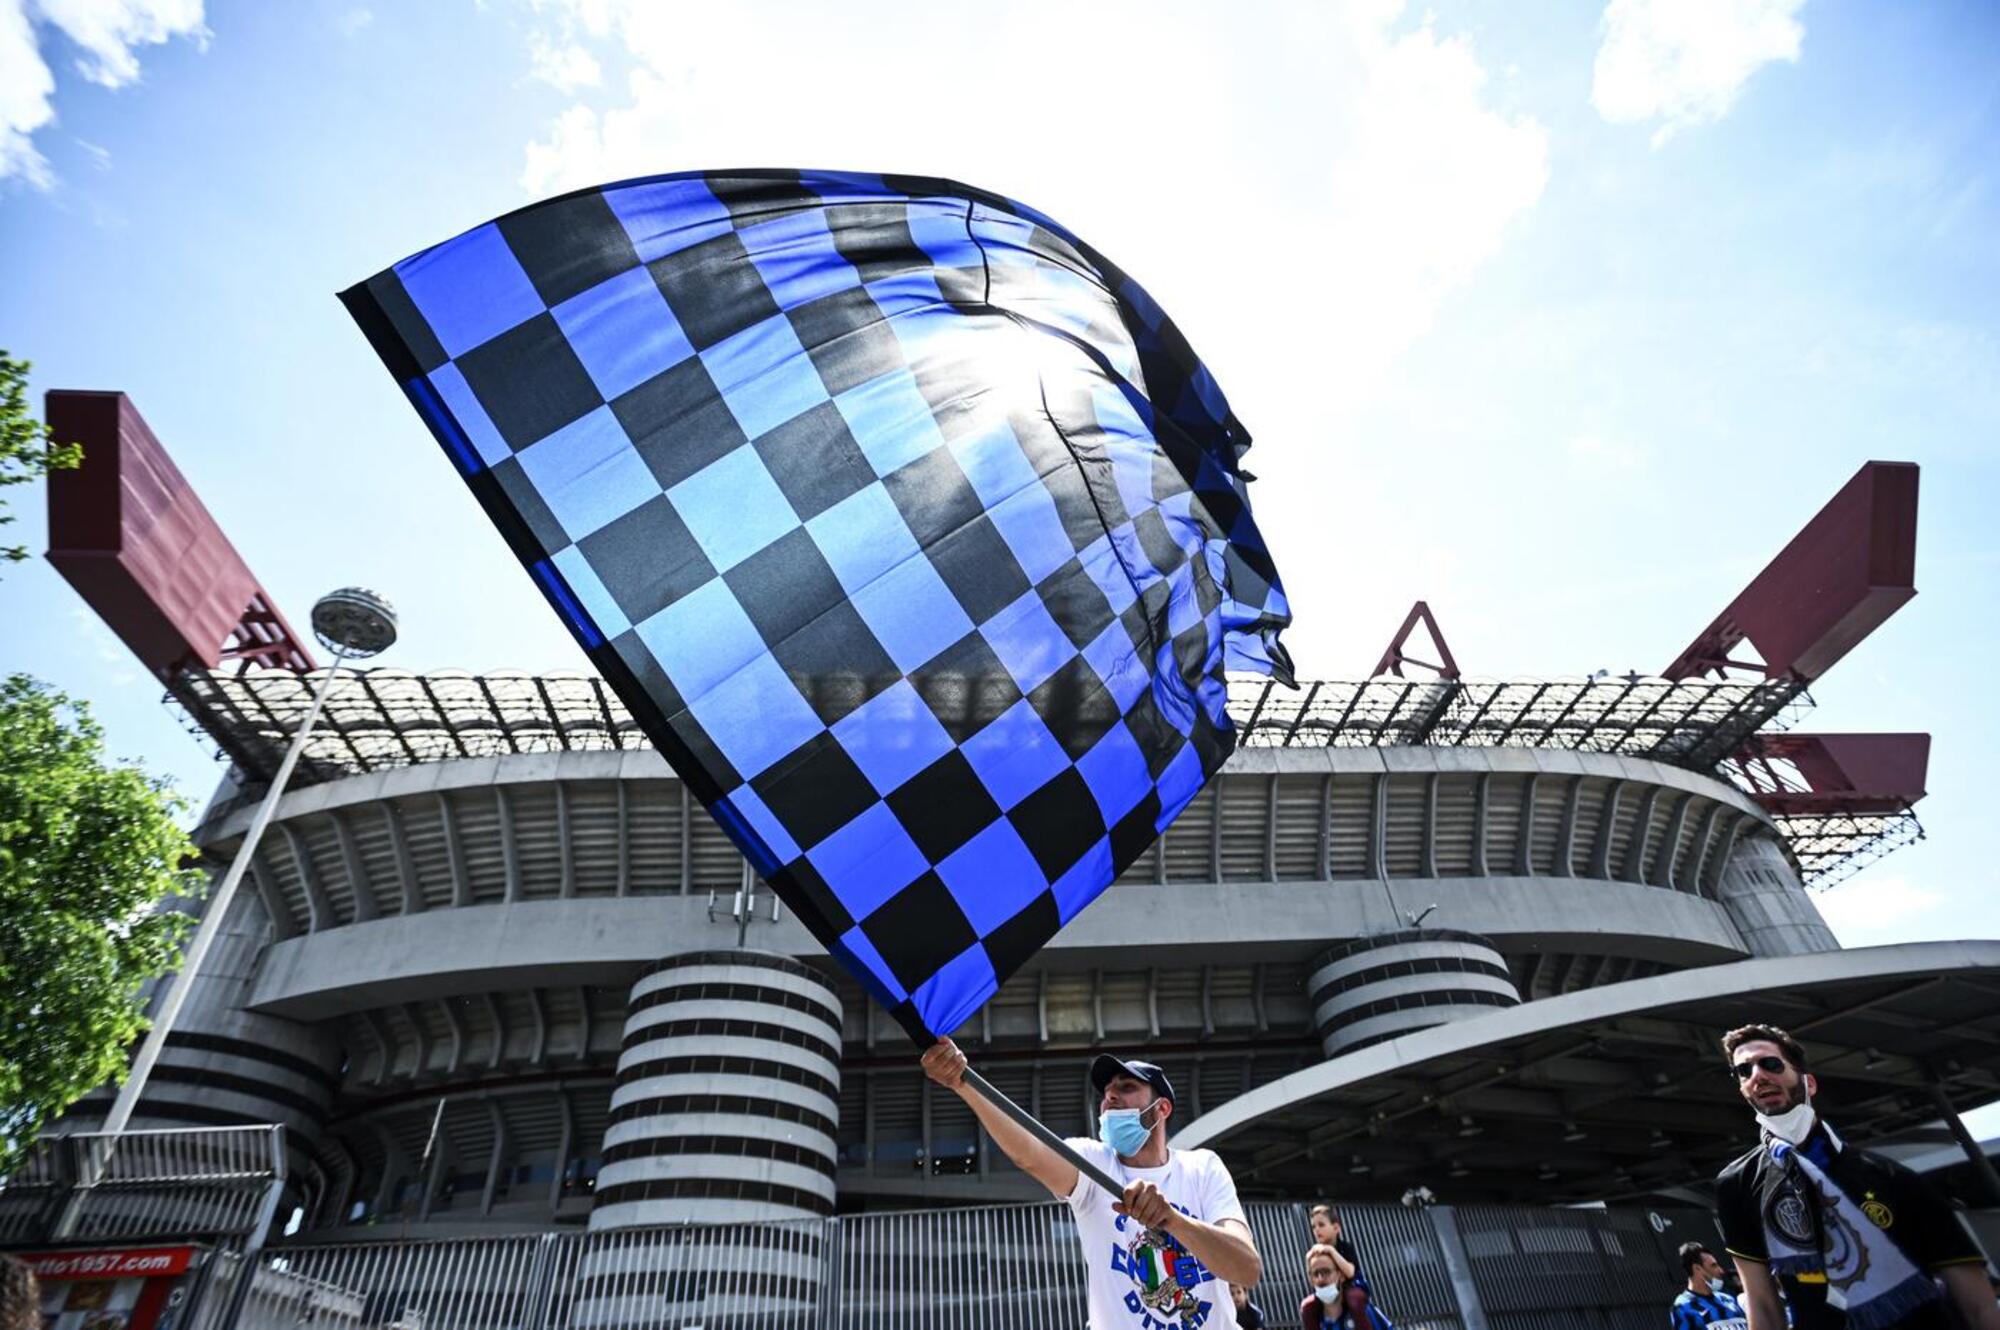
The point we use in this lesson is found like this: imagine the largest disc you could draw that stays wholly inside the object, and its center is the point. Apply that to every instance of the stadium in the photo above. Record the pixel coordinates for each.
(497, 973)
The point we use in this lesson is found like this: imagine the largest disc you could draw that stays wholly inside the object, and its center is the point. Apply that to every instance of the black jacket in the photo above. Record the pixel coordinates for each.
(1914, 1215)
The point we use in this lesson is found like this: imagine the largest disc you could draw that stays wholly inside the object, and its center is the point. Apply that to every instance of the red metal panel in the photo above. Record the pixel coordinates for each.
(1842, 773)
(1395, 656)
(1848, 569)
(130, 534)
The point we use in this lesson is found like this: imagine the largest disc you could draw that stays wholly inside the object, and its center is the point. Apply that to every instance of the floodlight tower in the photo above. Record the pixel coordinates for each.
(354, 624)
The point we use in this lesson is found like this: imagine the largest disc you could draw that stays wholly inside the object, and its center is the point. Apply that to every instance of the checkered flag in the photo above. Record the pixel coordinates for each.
(908, 527)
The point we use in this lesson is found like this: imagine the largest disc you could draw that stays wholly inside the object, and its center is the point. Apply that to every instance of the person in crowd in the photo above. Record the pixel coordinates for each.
(1361, 1311)
(1355, 1309)
(1335, 1304)
(1852, 1239)
(1323, 1274)
(1169, 1247)
(1704, 1301)
(20, 1296)
(1249, 1316)
(1326, 1230)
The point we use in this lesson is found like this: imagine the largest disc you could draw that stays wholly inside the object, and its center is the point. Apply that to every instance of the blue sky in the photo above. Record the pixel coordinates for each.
(1564, 323)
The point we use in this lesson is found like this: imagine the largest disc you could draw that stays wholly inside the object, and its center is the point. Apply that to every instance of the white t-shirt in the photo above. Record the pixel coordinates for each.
(1148, 1281)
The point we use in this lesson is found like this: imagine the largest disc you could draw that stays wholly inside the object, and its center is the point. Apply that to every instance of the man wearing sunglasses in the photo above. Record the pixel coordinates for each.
(1856, 1241)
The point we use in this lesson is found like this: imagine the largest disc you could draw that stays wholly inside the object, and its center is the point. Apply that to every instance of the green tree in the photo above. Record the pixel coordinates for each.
(27, 449)
(89, 855)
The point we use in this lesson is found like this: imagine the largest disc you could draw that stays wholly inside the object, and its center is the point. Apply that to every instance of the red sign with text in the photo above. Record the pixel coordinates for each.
(130, 1263)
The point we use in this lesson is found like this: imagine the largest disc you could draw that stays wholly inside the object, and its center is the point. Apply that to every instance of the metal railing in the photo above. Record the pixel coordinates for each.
(988, 1268)
(210, 1155)
(91, 1186)
(1015, 1267)
(221, 1181)
(33, 1195)
(1587, 1269)
(1019, 1267)
(217, 1186)
(1011, 1267)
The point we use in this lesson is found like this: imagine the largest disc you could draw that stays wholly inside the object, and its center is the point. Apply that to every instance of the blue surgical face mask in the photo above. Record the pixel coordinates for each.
(1328, 1294)
(1124, 1129)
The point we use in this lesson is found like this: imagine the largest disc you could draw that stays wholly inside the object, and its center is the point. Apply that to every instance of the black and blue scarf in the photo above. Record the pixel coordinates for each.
(1816, 1233)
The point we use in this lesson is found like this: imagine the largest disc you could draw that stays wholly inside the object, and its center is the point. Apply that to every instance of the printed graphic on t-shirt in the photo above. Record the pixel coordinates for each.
(1164, 1276)
(1141, 1279)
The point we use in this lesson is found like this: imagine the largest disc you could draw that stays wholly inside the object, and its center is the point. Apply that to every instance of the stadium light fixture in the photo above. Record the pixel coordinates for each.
(353, 624)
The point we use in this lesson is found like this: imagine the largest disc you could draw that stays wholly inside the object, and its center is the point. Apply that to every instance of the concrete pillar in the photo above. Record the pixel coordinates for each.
(1457, 1267)
(725, 1113)
(1376, 988)
(1767, 902)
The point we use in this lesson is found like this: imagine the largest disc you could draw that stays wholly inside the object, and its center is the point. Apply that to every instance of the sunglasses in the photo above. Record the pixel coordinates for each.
(1767, 1063)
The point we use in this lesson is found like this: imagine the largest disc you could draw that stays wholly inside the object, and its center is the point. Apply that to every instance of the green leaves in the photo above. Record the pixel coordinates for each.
(26, 450)
(90, 854)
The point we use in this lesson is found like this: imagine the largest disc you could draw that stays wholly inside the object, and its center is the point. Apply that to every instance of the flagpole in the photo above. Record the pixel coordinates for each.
(1028, 1123)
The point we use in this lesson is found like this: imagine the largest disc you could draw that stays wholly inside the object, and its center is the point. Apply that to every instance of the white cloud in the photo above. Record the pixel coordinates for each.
(1867, 910)
(563, 65)
(353, 22)
(1303, 186)
(107, 33)
(26, 86)
(1682, 62)
(1316, 179)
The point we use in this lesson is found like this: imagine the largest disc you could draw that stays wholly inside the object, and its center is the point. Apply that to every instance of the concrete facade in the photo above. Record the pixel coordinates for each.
(458, 942)
(1388, 985)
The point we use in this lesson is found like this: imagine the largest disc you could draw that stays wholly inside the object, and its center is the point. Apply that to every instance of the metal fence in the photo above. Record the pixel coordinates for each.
(1399, 1251)
(1013, 1267)
(97, 1186)
(33, 1195)
(219, 1186)
(1016, 1267)
(1585, 1269)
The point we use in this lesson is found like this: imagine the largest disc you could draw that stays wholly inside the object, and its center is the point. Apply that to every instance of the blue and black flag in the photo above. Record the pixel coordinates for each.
(908, 527)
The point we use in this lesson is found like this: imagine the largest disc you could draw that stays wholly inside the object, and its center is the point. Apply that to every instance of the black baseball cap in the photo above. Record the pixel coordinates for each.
(1107, 1066)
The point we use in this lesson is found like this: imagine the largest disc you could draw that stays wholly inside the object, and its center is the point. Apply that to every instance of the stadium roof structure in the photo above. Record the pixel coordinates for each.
(1620, 1091)
(382, 719)
(131, 535)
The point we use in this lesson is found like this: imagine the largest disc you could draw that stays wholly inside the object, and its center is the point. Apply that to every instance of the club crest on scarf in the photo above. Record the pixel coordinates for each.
(1790, 1214)
(1807, 1216)
(1815, 1231)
